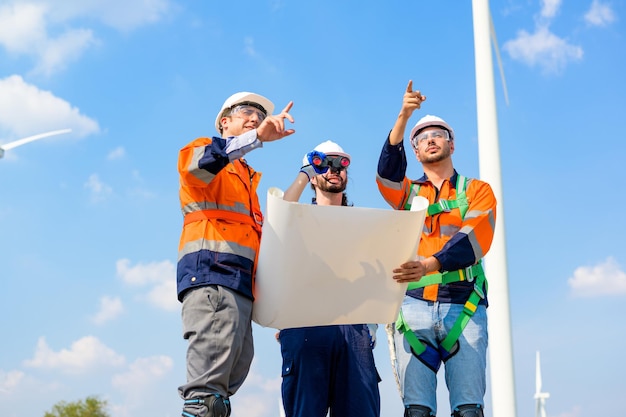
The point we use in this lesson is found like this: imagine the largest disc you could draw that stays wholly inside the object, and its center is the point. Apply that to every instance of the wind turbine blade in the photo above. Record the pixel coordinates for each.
(537, 374)
(492, 29)
(23, 141)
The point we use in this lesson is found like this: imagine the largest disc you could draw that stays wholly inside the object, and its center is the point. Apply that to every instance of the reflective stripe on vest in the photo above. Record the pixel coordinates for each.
(195, 216)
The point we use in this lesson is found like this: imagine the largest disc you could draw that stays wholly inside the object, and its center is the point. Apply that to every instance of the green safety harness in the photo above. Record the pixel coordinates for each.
(429, 355)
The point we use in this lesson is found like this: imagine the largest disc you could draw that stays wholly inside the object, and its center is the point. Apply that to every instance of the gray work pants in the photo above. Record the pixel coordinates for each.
(217, 324)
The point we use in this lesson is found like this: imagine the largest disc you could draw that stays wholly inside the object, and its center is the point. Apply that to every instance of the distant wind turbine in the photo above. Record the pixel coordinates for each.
(23, 141)
(540, 397)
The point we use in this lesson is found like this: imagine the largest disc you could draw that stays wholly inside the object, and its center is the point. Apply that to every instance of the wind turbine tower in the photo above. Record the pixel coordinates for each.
(540, 397)
(499, 325)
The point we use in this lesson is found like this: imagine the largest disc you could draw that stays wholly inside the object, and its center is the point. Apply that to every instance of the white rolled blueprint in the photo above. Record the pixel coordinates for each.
(322, 265)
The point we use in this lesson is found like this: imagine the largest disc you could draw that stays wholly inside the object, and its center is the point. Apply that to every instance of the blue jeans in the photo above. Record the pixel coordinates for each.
(464, 372)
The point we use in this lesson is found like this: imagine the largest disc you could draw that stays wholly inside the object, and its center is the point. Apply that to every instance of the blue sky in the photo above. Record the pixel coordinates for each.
(89, 221)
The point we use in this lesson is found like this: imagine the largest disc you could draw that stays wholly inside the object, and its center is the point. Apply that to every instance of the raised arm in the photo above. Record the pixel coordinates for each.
(411, 101)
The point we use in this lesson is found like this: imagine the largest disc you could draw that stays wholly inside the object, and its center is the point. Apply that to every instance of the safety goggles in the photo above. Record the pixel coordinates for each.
(435, 134)
(336, 162)
(246, 111)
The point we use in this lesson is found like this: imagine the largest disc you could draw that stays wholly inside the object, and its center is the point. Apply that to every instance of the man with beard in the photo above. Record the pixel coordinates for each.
(443, 317)
(328, 367)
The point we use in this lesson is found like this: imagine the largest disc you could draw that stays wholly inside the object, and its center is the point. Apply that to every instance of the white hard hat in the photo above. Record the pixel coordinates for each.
(329, 148)
(428, 121)
(244, 97)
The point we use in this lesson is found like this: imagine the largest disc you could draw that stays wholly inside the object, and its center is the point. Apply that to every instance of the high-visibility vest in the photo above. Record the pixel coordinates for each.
(220, 239)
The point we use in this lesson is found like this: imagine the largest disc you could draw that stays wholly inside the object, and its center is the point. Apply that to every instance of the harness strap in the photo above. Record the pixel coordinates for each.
(431, 356)
(403, 327)
(198, 215)
(446, 277)
(468, 311)
(446, 205)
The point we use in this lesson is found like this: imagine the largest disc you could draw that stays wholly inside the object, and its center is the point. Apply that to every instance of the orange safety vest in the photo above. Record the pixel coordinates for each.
(478, 223)
(221, 232)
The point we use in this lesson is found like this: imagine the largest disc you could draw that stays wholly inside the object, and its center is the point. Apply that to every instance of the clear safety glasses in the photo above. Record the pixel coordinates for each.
(247, 111)
(435, 134)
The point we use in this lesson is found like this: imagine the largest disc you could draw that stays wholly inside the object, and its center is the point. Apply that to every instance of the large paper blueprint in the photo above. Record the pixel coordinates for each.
(321, 265)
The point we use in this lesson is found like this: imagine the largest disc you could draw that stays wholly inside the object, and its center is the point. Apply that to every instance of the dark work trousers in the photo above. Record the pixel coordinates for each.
(329, 367)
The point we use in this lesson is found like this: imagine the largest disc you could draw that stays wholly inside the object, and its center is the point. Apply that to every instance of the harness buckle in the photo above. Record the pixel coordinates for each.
(444, 205)
(469, 277)
(479, 291)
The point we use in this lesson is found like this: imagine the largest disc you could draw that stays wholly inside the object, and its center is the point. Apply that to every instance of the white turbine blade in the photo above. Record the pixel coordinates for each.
(23, 141)
(537, 375)
(492, 29)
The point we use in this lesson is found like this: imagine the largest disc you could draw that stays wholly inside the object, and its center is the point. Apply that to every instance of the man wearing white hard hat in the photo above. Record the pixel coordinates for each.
(218, 250)
(328, 368)
(443, 318)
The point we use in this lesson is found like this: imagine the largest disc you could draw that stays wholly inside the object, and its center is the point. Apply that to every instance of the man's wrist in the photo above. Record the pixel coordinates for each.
(433, 264)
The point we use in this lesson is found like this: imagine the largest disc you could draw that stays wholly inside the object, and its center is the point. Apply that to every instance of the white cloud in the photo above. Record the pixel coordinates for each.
(159, 276)
(576, 411)
(117, 153)
(138, 191)
(22, 27)
(550, 8)
(249, 48)
(163, 295)
(123, 15)
(59, 52)
(9, 381)
(26, 110)
(24, 31)
(543, 49)
(142, 274)
(601, 280)
(110, 308)
(600, 14)
(99, 190)
(138, 383)
(84, 355)
(142, 372)
(256, 393)
(48, 31)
